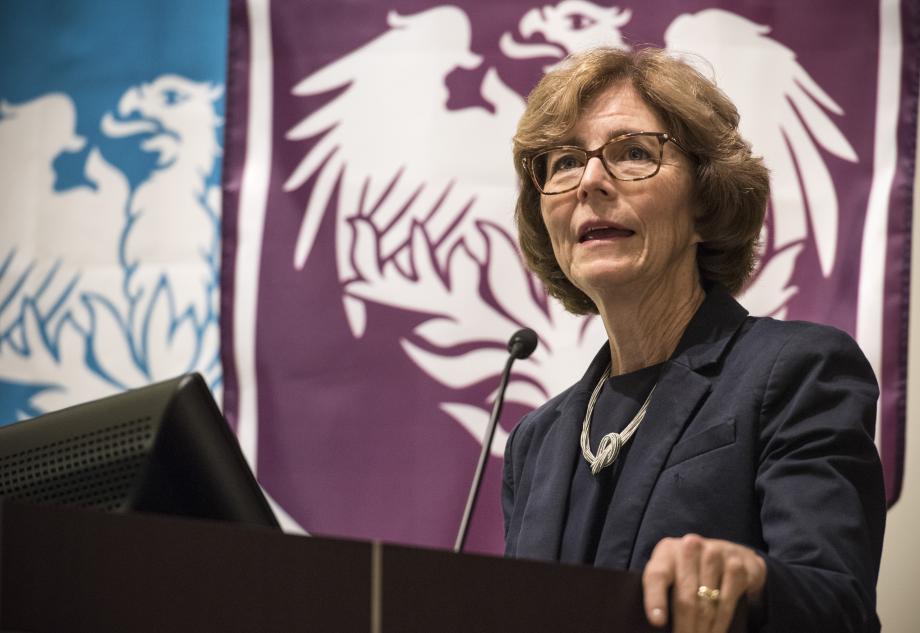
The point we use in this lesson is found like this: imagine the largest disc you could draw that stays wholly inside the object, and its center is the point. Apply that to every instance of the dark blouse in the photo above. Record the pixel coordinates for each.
(619, 400)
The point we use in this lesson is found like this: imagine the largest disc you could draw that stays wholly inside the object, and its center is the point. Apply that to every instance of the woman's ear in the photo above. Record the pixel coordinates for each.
(697, 238)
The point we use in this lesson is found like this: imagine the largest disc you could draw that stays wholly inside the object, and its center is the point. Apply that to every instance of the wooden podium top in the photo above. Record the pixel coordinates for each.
(66, 570)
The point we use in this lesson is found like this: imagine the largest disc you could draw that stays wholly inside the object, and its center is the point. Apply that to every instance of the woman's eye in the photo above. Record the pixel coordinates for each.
(636, 152)
(566, 162)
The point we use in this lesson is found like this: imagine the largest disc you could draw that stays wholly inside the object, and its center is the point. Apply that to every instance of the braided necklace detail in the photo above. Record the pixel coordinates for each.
(611, 444)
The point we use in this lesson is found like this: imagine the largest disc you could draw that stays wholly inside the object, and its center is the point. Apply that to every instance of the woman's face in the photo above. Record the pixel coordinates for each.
(610, 235)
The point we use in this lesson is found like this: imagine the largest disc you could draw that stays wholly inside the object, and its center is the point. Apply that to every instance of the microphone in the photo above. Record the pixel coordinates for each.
(521, 345)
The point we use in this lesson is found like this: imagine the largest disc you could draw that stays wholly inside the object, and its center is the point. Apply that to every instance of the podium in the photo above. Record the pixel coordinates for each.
(65, 570)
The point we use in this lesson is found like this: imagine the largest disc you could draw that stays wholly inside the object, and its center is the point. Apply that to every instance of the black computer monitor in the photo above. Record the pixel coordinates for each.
(164, 448)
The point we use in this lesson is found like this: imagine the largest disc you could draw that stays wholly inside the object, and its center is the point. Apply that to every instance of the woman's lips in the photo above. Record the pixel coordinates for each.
(604, 233)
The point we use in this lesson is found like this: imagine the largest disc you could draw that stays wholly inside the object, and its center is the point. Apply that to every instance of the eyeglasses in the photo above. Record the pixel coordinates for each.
(631, 156)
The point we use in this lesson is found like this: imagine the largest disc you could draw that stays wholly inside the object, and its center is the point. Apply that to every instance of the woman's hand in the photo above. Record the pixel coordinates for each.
(694, 566)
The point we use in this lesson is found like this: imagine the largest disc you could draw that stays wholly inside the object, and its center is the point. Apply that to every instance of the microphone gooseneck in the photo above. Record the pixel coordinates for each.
(521, 345)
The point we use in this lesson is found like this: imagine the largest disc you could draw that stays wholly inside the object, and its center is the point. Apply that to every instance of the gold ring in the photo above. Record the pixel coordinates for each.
(706, 593)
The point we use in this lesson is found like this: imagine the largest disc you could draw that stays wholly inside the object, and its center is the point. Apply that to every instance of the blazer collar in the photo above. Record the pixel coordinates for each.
(712, 327)
(677, 396)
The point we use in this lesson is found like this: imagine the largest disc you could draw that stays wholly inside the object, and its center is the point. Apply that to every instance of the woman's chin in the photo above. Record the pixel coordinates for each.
(601, 277)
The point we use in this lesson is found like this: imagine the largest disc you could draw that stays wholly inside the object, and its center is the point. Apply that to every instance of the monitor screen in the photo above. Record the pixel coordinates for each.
(164, 448)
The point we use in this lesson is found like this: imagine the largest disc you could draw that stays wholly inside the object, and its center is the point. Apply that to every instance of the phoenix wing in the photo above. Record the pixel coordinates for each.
(787, 117)
(396, 154)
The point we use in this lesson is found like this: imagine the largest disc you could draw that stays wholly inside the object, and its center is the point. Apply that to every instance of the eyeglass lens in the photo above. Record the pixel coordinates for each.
(630, 158)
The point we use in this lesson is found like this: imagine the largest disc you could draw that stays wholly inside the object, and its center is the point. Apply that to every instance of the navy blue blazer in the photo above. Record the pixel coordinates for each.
(759, 432)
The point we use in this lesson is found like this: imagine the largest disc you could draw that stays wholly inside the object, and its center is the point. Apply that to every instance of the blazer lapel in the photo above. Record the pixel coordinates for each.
(679, 393)
(547, 505)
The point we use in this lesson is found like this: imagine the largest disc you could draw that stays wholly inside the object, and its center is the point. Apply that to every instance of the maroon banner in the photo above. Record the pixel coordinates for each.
(371, 277)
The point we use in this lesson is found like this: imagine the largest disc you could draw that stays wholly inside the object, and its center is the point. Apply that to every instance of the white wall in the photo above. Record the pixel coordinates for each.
(899, 582)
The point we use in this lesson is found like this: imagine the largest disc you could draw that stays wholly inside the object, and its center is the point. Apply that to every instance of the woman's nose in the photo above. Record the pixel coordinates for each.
(595, 179)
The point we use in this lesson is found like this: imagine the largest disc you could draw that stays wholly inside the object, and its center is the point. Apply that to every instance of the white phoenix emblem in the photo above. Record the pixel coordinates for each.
(425, 194)
(121, 288)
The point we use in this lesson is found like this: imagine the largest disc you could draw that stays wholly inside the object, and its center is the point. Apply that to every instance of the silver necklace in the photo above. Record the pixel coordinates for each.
(610, 445)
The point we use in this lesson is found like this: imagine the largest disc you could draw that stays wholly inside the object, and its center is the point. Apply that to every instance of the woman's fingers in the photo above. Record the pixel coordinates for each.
(734, 583)
(686, 603)
(657, 579)
(709, 598)
(706, 578)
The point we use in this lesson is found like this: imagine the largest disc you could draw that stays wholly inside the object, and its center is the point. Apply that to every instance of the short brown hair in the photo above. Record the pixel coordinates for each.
(731, 187)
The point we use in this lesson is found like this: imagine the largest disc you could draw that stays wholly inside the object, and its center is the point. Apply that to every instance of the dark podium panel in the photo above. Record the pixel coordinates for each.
(66, 570)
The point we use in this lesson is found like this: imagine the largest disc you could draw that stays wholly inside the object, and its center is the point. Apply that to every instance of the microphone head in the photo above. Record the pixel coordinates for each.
(522, 343)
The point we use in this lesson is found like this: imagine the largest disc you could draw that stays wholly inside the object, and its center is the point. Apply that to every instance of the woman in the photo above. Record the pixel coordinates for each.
(724, 455)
